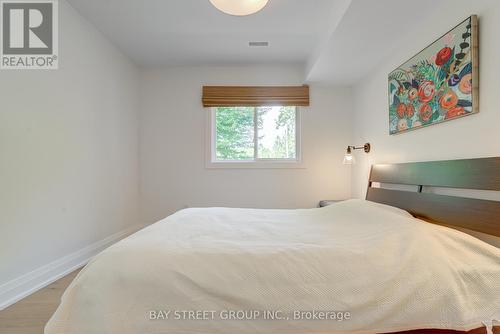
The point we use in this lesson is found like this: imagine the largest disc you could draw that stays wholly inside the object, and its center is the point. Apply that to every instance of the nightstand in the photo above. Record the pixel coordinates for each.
(327, 202)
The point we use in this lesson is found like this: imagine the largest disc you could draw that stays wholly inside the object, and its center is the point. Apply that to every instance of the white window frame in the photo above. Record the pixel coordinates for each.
(212, 162)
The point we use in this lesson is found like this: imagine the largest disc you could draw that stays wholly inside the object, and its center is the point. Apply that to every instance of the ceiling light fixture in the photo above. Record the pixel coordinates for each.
(239, 7)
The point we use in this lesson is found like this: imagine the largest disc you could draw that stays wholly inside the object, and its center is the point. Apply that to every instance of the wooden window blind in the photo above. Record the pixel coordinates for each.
(255, 96)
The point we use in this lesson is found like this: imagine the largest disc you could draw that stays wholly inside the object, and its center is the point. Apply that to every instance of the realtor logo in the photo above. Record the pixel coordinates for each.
(29, 38)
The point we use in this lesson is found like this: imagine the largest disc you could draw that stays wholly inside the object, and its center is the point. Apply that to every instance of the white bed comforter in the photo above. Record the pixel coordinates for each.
(388, 270)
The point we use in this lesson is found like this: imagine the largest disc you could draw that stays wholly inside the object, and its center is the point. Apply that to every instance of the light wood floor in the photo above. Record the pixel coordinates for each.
(29, 316)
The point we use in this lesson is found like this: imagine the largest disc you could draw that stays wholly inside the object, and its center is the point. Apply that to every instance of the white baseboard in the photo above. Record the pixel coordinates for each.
(21, 287)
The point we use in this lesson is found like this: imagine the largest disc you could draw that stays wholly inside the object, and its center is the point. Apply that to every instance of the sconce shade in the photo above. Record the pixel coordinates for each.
(349, 159)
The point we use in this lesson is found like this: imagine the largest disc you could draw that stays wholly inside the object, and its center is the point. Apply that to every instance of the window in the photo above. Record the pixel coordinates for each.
(259, 135)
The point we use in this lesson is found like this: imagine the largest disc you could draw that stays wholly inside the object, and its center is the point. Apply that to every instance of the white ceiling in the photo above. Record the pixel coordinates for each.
(369, 30)
(329, 38)
(193, 32)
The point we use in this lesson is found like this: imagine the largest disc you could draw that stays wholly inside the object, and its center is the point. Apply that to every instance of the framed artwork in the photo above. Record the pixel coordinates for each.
(440, 83)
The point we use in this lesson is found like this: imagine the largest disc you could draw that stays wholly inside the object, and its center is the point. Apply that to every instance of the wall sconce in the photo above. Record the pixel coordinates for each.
(349, 158)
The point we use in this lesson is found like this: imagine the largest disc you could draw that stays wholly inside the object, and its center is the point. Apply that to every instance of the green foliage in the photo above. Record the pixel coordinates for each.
(426, 71)
(284, 146)
(235, 133)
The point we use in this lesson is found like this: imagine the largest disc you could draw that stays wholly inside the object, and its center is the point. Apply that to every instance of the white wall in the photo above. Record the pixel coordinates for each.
(468, 137)
(173, 173)
(68, 151)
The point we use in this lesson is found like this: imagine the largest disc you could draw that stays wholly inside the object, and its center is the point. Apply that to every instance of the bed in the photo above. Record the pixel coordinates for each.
(357, 266)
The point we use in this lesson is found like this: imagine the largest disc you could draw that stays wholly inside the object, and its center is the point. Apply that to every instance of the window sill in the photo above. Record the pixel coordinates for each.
(256, 165)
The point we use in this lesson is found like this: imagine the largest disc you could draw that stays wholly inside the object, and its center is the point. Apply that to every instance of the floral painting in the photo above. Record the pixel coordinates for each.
(438, 84)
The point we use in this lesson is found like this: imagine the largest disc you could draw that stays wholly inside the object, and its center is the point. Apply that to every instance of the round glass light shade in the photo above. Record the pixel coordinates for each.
(239, 7)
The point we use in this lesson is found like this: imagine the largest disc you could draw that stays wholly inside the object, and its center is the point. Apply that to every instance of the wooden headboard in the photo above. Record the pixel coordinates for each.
(470, 213)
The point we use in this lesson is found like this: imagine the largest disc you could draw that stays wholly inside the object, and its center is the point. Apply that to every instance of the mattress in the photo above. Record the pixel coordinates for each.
(352, 267)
